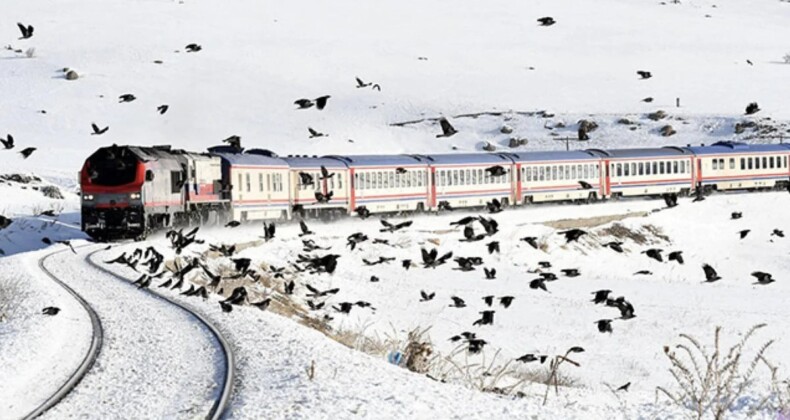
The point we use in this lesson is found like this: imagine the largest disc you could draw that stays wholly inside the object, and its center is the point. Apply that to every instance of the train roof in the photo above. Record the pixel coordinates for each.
(725, 147)
(254, 157)
(669, 151)
(468, 158)
(554, 156)
(313, 162)
(380, 160)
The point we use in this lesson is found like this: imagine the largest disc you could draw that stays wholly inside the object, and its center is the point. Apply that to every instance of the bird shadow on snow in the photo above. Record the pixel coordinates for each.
(28, 233)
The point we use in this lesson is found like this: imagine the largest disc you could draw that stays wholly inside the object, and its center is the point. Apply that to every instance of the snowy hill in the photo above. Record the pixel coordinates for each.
(256, 59)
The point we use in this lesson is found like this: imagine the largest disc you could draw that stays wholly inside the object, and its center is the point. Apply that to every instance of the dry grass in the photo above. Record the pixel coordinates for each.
(590, 222)
(643, 235)
(12, 294)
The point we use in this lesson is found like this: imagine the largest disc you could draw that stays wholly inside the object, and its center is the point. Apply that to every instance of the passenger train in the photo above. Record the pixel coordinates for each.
(133, 190)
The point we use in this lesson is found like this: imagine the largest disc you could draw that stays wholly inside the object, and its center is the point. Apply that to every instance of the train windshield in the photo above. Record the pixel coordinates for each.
(112, 167)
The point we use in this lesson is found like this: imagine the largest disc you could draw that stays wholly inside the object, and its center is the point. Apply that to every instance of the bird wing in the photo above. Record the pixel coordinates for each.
(313, 132)
(303, 226)
(404, 224)
(360, 82)
(386, 224)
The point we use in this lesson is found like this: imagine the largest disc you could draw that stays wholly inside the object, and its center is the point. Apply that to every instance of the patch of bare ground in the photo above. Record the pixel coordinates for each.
(589, 222)
(641, 236)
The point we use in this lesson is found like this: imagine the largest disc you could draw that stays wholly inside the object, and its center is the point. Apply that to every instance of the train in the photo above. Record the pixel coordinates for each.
(131, 191)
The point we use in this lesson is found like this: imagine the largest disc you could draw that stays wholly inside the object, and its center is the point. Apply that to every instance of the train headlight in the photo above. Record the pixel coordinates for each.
(135, 196)
(87, 197)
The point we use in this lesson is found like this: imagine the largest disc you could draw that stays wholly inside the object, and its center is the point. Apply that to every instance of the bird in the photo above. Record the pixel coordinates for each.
(8, 143)
(604, 325)
(126, 97)
(376, 86)
(356, 238)
(643, 273)
(547, 21)
(648, 99)
(226, 307)
(676, 256)
(361, 84)
(268, 231)
(490, 273)
(464, 221)
(457, 302)
(538, 284)
(464, 264)
(323, 198)
(193, 48)
(572, 234)
(325, 174)
(303, 103)
(531, 240)
(26, 152)
(615, 246)
(306, 178)
(493, 247)
(320, 102)
(400, 171)
(406, 264)
(162, 109)
(644, 74)
(752, 108)
(344, 308)
(548, 276)
(624, 387)
(233, 224)
(626, 308)
(710, 274)
(655, 254)
(490, 225)
(486, 319)
(736, 215)
(289, 287)
(233, 141)
(98, 131)
(476, 345)
(778, 233)
(494, 206)
(571, 272)
(530, 357)
(585, 185)
(431, 259)
(320, 293)
(314, 133)
(262, 305)
(744, 232)
(749, 62)
(506, 301)
(488, 300)
(50, 310)
(389, 227)
(305, 230)
(444, 205)
(601, 296)
(544, 264)
(496, 170)
(424, 296)
(447, 129)
(27, 31)
(763, 278)
(362, 212)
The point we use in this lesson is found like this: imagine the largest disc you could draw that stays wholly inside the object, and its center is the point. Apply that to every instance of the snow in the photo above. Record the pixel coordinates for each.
(257, 58)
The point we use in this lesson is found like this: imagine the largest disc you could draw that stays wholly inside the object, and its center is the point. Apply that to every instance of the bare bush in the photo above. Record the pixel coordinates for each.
(709, 381)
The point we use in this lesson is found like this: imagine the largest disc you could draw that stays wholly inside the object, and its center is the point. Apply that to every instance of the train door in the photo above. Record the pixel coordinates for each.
(432, 188)
(606, 179)
(517, 190)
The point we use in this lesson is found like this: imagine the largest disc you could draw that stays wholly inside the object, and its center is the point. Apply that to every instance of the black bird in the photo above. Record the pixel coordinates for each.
(314, 133)
(325, 174)
(464, 264)
(306, 179)
(323, 198)
(547, 21)
(778, 233)
(644, 74)
(126, 97)
(26, 152)
(572, 234)
(162, 109)
(506, 301)
(470, 236)
(489, 300)
(496, 171)
(624, 387)
(362, 212)
(431, 259)
(406, 264)
(444, 205)
(457, 302)
(233, 141)
(27, 31)
(486, 319)
(763, 278)
(268, 231)
(490, 273)
(447, 129)
(356, 238)
(305, 230)
(376, 86)
(530, 357)
(744, 232)
(736, 215)
(655, 254)
(237, 296)
(465, 221)
(320, 102)
(648, 99)
(604, 325)
(676, 256)
(345, 307)
(233, 224)
(361, 84)
(226, 307)
(494, 206)
(289, 287)
(601, 296)
(46, 240)
(626, 309)
(710, 274)
(493, 247)
(426, 296)
(476, 345)
(752, 108)
(531, 240)
(303, 103)
(166, 283)
(548, 276)
(544, 264)
(749, 62)
(193, 48)
(389, 227)
(490, 225)
(585, 185)
(616, 246)
(98, 131)
(262, 305)
(643, 273)
(50, 310)
(241, 264)
(400, 171)
(538, 284)
(9, 143)
(320, 293)
(315, 306)
(571, 272)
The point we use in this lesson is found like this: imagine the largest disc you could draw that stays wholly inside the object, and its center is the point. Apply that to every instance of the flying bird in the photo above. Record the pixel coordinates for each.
(389, 227)
(361, 84)
(538, 284)
(9, 143)
(233, 141)
(486, 319)
(162, 109)
(547, 21)
(531, 240)
(601, 296)
(193, 48)
(530, 357)
(303, 103)
(447, 128)
(643, 273)
(644, 74)
(571, 272)
(424, 296)
(126, 97)
(98, 131)
(323, 198)
(743, 233)
(585, 185)
(624, 387)
(710, 274)
(50, 310)
(506, 301)
(493, 247)
(572, 234)
(465, 221)
(490, 273)
(615, 246)
(233, 224)
(27, 31)
(26, 152)
(676, 256)
(496, 171)
(325, 174)
(736, 215)
(604, 325)
(470, 236)
(305, 230)
(457, 302)
(494, 206)
(314, 133)
(778, 233)
(763, 278)
(655, 254)
(320, 102)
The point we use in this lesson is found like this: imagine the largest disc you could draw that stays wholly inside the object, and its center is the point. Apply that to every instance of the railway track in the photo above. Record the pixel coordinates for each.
(225, 384)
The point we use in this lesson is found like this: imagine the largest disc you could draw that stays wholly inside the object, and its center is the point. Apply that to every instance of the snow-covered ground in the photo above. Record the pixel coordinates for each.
(441, 58)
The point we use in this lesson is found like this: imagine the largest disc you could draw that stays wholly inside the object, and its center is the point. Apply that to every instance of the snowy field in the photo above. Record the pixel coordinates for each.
(454, 59)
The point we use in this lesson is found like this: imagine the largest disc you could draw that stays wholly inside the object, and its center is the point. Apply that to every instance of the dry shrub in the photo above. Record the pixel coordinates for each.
(709, 380)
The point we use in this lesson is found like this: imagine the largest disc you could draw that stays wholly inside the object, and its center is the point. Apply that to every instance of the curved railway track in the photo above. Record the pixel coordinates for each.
(220, 404)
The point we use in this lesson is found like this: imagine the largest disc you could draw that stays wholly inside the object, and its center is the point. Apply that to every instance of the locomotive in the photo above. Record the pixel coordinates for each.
(134, 190)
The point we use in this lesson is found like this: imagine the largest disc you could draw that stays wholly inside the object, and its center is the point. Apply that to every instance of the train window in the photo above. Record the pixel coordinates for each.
(633, 169)
(389, 180)
(626, 170)
(756, 163)
(771, 162)
(567, 172)
(785, 159)
(541, 173)
(269, 182)
(378, 182)
(715, 164)
(469, 177)
(553, 173)
(455, 178)
(561, 174)
(535, 173)
(675, 167)
(750, 163)
(462, 177)
(765, 162)
(732, 163)
(442, 178)
(339, 180)
(247, 178)
(743, 163)
(355, 182)
(619, 169)
(369, 180)
(260, 182)
(573, 172)
(332, 183)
